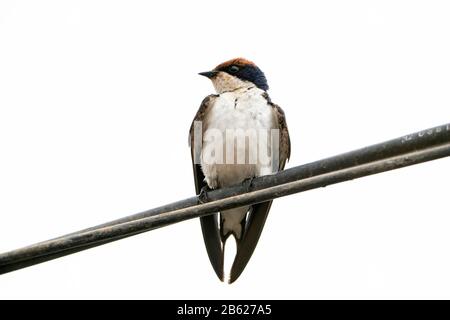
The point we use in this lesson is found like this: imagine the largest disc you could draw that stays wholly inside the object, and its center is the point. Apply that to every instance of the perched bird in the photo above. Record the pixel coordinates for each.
(242, 107)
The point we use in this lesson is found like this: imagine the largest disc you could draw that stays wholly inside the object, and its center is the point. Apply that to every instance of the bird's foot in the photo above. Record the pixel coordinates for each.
(203, 195)
(248, 183)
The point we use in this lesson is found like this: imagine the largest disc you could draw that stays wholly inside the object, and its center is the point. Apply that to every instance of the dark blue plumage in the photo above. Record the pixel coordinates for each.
(245, 70)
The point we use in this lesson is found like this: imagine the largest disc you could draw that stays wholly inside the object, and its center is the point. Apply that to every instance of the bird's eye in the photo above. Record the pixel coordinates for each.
(234, 69)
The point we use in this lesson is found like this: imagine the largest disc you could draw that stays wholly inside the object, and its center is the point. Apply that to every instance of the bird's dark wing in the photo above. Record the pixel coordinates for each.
(258, 213)
(285, 141)
(210, 229)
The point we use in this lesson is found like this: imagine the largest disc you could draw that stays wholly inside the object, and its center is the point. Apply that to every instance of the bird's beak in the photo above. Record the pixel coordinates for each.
(209, 74)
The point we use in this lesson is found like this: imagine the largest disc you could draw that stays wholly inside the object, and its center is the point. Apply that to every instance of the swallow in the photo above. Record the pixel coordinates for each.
(241, 105)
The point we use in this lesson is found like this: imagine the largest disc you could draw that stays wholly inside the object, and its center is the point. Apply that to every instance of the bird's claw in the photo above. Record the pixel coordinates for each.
(248, 183)
(203, 195)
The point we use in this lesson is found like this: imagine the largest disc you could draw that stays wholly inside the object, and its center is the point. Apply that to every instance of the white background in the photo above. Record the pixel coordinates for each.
(96, 99)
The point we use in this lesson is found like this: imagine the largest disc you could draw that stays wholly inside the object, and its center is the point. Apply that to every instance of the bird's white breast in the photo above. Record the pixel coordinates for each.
(237, 111)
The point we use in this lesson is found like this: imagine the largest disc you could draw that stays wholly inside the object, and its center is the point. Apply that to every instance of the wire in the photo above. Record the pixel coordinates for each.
(408, 150)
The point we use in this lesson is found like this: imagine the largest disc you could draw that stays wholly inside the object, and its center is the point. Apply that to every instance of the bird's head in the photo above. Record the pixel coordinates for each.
(236, 73)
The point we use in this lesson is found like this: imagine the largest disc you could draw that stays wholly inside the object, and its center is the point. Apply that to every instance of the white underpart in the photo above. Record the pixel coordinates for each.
(236, 111)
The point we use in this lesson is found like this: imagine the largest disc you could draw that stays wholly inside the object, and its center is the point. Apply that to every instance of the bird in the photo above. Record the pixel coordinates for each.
(241, 105)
